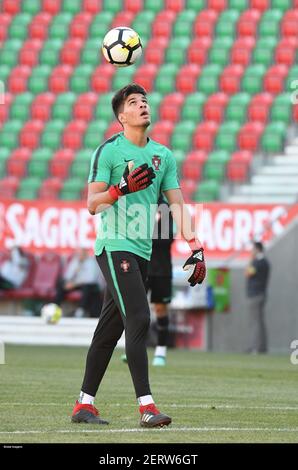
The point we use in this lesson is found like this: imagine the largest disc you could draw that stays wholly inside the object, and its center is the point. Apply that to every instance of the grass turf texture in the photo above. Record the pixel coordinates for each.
(211, 398)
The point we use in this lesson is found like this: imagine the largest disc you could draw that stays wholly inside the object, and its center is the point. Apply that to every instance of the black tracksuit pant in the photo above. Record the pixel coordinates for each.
(125, 306)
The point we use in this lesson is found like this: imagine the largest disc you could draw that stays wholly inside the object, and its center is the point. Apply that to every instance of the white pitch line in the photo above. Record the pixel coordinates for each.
(138, 430)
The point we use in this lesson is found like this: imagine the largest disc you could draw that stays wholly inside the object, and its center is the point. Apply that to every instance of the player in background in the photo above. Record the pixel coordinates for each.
(114, 191)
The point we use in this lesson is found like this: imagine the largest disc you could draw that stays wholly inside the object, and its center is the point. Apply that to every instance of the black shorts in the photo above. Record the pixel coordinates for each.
(160, 288)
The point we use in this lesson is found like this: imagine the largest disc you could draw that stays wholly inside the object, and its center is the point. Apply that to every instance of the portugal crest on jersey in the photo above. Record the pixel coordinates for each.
(125, 265)
(156, 161)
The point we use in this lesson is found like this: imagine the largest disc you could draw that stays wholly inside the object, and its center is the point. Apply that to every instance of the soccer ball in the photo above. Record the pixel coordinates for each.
(51, 313)
(122, 46)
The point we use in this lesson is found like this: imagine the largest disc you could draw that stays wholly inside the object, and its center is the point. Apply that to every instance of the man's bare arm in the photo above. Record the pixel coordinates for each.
(99, 198)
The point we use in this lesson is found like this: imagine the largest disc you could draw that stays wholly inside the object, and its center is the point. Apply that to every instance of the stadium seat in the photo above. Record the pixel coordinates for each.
(187, 77)
(9, 135)
(60, 163)
(170, 107)
(259, 107)
(28, 188)
(241, 50)
(204, 23)
(191, 170)
(112, 129)
(38, 28)
(84, 106)
(52, 6)
(42, 105)
(47, 271)
(219, 52)
(59, 79)
(122, 77)
(252, 80)
(51, 134)
(237, 172)
(162, 24)
(208, 80)
(72, 189)
(17, 81)
(10, 51)
(38, 81)
(11, 6)
(273, 137)
(73, 134)
(50, 189)
(135, 6)
(263, 52)
(281, 5)
(281, 109)
(207, 191)
(5, 107)
(8, 187)
(101, 23)
(161, 132)
(62, 108)
(59, 26)
(182, 135)
(197, 52)
(175, 53)
(30, 133)
(5, 20)
(289, 23)
(103, 110)
(203, 138)
(214, 107)
(188, 187)
(70, 52)
(92, 6)
(286, 50)
(225, 26)
(145, 75)
(226, 138)
(193, 107)
(20, 108)
(274, 78)
(38, 165)
(260, 5)
(269, 23)
(215, 166)
(249, 136)
(79, 26)
(247, 24)
(155, 50)
(17, 162)
(183, 23)
(229, 81)
(29, 53)
(237, 106)
(154, 99)
(80, 79)
(142, 24)
(18, 28)
(100, 80)
(165, 79)
(49, 55)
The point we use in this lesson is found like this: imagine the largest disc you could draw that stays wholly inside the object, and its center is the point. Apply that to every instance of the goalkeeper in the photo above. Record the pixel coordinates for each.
(124, 200)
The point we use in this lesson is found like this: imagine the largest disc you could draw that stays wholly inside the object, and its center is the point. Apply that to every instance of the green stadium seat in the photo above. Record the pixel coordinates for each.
(183, 24)
(207, 191)
(100, 24)
(4, 155)
(142, 24)
(208, 80)
(28, 194)
(80, 169)
(273, 138)
(165, 80)
(9, 52)
(52, 133)
(263, 52)
(219, 52)
(214, 168)
(38, 168)
(196, 5)
(80, 80)
(179, 156)
(103, 110)
(269, 23)
(85, 154)
(18, 26)
(154, 5)
(239, 5)
(31, 6)
(62, 108)
(49, 55)
(58, 29)
(28, 188)
(252, 80)
(9, 135)
(154, 100)
(90, 54)
(193, 107)
(237, 107)
(72, 7)
(20, 108)
(281, 109)
(122, 77)
(226, 23)
(182, 135)
(114, 6)
(282, 5)
(94, 134)
(175, 53)
(38, 81)
(72, 188)
(226, 138)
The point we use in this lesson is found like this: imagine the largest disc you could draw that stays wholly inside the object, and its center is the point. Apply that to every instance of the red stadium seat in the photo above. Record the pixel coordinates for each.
(289, 23)
(113, 128)
(92, 6)
(162, 131)
(170, 107)
(197, 52)
(83, 107)
(11, 6)
(42, 105)
(17, 82)
(217, 5)
(8, 187)
(204, 23)
(237, 172)
(73, 134)
(285, 52)
(155, 50)
(59, 78)
(4, 107)
(17, 162)
(30, 133)
(47, 271)
(188, 187)
(214, 107)
(241, 50)
(174, 5)
(52, 6)
(229, 81)
(204, 135)
(50, 188)
(29, 53)
(135, 6)
(260, 5)
(162, 24)
(249, 136)
(247, 24)
(242, 156)
(192, 170)
(5, 20)
(60, 163)
(38, 28)
(259, 107)
(274, 78)
(70, 52)
(187, 77)
(198, 156)
(79, 27)
(145, 76)
(122, 18)
(101, 78)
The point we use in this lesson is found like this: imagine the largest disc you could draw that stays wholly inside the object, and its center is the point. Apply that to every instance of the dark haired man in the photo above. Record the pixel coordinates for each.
(127, 174)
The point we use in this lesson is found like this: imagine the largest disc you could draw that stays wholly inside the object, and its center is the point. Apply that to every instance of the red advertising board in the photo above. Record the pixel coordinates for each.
(63, 226)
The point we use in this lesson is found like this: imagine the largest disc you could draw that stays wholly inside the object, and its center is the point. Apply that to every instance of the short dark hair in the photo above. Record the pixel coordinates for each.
(123, 94)
(259, 246)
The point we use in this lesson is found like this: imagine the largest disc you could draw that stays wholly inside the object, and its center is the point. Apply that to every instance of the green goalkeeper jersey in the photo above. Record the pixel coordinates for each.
(128, 224)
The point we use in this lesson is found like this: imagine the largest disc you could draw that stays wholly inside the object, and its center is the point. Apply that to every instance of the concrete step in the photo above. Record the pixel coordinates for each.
(285, 160)
(291, 150)
(274, 180)
(289, 190)
(278, 170)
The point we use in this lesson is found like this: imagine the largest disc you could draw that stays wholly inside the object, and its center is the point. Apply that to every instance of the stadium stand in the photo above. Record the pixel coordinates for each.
(218, 75)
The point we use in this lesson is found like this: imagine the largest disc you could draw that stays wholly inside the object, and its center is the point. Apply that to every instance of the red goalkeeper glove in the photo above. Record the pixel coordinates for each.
(138, 179)
(196, 260)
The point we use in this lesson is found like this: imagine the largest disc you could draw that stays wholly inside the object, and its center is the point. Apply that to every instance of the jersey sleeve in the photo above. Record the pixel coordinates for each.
(170, 179)
(101, 165)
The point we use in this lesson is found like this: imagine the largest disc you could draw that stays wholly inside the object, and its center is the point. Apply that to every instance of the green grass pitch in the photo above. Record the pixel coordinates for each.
(213, 398)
